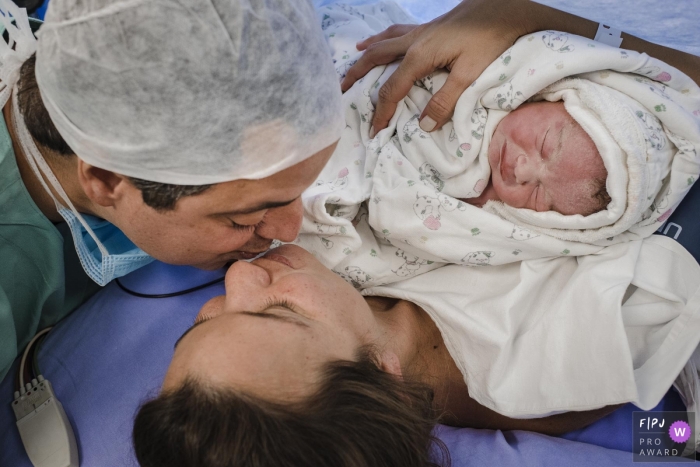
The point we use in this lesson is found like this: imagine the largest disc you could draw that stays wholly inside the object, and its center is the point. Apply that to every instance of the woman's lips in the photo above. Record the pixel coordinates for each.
(244, 255)
(279, 259)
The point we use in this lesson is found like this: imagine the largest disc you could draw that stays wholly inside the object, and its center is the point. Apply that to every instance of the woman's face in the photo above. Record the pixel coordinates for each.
(283, 317)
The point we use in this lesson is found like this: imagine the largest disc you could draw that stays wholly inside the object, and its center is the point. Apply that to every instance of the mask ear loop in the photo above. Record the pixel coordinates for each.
(13, 54)
(42, 170)
(21, 46)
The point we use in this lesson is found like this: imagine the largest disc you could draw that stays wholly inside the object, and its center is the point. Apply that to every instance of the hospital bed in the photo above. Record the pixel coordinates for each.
(111, 354)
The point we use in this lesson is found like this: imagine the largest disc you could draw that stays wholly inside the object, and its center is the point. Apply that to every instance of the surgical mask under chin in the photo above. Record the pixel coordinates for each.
(104, 251)
(123, 255)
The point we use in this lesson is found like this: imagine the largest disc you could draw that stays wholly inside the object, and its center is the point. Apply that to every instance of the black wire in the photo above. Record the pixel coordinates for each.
(172, 294)
(35, 366)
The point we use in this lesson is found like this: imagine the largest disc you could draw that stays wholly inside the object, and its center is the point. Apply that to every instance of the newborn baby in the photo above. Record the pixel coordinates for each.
(542, 159)
(550, 152)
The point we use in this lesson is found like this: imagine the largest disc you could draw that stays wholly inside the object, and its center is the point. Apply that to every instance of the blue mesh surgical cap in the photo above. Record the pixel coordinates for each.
(189, 92)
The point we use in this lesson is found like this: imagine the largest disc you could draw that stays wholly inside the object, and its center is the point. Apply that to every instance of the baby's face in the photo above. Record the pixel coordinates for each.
(541, 159)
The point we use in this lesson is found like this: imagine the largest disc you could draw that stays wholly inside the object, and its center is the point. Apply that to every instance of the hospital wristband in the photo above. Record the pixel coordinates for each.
(608, 35)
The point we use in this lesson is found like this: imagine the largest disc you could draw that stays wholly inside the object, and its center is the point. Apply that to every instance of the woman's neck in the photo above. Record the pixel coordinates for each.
(410, 333)
(401, 329)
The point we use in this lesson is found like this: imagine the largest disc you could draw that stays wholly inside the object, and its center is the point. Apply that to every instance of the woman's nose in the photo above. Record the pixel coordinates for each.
(246, 283)
(244, 278)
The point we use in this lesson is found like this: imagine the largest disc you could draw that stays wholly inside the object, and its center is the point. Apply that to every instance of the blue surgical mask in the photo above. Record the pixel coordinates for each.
(107, 255)
(104, 251)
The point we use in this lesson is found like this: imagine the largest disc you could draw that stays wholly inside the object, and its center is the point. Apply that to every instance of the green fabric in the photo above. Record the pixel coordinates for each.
(41, 279)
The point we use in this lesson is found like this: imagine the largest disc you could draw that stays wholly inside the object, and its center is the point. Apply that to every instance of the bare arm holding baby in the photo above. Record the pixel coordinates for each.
(465, 41)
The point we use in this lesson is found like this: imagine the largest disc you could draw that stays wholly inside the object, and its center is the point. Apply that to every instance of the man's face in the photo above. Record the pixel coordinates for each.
(229, 221)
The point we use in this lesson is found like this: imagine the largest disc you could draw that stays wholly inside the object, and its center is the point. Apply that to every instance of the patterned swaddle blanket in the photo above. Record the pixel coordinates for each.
(387, 208)
(527, 320)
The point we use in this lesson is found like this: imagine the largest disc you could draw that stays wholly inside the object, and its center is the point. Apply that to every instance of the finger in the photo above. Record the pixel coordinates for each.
(393, 31)
(397, 87)
(442, 105)
(380, 53)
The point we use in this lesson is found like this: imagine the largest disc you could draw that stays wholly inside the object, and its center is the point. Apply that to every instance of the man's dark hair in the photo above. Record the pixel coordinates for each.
(159, 196)
(360, 416)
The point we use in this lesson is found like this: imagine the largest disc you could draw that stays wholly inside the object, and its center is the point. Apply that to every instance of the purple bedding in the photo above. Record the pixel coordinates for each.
(111, 354)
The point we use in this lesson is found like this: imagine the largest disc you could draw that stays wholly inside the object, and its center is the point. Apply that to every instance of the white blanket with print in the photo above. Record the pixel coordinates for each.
(411, 181)
(543, 328)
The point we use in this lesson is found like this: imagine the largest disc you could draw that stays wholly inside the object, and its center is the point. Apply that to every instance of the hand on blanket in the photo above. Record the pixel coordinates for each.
(464, 41)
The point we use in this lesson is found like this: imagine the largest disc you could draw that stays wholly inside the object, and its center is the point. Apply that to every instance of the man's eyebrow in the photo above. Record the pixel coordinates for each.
(260, 207)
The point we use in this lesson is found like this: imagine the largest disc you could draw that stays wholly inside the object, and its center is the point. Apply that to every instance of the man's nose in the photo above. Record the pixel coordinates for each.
(527, 169)
(282, 223)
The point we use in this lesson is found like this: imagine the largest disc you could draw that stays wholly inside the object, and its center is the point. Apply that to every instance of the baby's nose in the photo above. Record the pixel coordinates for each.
(526, 169)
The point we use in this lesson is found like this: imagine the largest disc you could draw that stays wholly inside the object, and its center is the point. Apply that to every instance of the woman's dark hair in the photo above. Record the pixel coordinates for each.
(159, 196)
(360, 416)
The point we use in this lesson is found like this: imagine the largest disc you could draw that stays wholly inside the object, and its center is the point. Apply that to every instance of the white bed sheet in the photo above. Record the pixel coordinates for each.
(670, 23)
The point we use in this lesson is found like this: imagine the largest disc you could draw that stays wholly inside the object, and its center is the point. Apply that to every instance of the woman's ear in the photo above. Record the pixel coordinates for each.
(100, 185)
(389, 363)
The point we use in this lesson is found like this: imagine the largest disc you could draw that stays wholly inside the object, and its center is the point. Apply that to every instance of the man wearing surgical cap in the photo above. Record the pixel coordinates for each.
(137, 129)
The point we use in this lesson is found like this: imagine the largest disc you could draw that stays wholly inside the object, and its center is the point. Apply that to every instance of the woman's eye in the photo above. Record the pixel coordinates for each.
(201, 319)
(280, 303)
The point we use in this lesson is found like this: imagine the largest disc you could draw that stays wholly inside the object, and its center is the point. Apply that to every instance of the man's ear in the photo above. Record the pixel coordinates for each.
(389, 363)
(103, 187)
